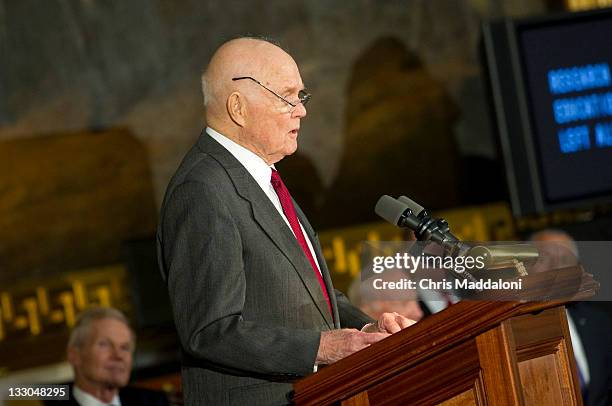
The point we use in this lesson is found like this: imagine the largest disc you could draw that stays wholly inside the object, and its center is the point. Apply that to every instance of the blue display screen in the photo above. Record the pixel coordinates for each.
(569, 94)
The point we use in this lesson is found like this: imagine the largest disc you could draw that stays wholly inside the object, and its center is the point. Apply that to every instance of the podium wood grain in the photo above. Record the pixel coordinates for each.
(473, 353)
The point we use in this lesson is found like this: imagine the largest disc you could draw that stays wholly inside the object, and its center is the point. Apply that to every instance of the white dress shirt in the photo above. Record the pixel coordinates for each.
(262, 173)
(435, 301)
(85, 399)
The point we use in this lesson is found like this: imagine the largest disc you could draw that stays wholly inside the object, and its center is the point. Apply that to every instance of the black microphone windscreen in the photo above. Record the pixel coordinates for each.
(390, 209)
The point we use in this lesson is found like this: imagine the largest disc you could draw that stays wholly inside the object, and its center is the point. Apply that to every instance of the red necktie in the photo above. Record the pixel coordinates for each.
(289, 210)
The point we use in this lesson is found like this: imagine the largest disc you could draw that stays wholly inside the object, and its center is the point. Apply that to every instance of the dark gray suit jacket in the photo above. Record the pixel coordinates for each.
(247, 305)
(595, 330)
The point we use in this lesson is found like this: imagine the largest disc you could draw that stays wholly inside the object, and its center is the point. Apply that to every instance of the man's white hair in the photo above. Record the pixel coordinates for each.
(206, 91)
(82, 328)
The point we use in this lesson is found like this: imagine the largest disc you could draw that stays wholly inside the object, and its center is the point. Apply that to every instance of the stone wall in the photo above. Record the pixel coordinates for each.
(390, 79)
(81, 64)
(69, 201)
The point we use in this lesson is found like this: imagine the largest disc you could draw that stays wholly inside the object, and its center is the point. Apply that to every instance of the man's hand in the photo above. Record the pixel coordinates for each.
(337, 344)
(389, 323)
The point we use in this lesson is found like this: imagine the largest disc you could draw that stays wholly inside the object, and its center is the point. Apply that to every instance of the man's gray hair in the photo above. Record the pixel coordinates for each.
(82, 327)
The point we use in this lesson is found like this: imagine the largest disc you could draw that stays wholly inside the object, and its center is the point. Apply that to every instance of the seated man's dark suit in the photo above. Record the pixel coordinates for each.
(595, 330)
(247, 305)
(128, 396)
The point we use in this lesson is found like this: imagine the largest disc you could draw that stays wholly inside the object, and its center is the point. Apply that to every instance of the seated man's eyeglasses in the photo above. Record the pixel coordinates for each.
(303, 96)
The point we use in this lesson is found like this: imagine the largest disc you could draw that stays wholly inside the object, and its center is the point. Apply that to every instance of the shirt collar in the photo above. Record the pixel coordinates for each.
(85, 399)
(253, 163)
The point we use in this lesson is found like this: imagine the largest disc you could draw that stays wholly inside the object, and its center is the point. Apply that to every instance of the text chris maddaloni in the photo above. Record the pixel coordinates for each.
(445, 284)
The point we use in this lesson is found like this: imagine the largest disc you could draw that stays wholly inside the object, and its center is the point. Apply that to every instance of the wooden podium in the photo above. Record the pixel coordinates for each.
(473, 353)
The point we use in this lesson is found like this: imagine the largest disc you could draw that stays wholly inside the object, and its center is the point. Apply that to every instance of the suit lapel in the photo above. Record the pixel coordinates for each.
(266, 215)
(321, 260)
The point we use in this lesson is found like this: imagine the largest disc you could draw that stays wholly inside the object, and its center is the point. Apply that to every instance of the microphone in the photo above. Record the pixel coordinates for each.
(414, 206)
(415, 217)
(395, 212)
(405, 212)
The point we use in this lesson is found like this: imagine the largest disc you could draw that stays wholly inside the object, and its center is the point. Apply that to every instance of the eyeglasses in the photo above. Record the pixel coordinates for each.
(303, 96)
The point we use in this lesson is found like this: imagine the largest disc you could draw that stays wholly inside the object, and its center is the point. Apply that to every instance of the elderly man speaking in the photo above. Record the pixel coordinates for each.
(252, 297)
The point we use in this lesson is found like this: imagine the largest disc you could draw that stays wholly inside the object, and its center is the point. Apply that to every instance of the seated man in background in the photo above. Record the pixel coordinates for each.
(100, 350)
